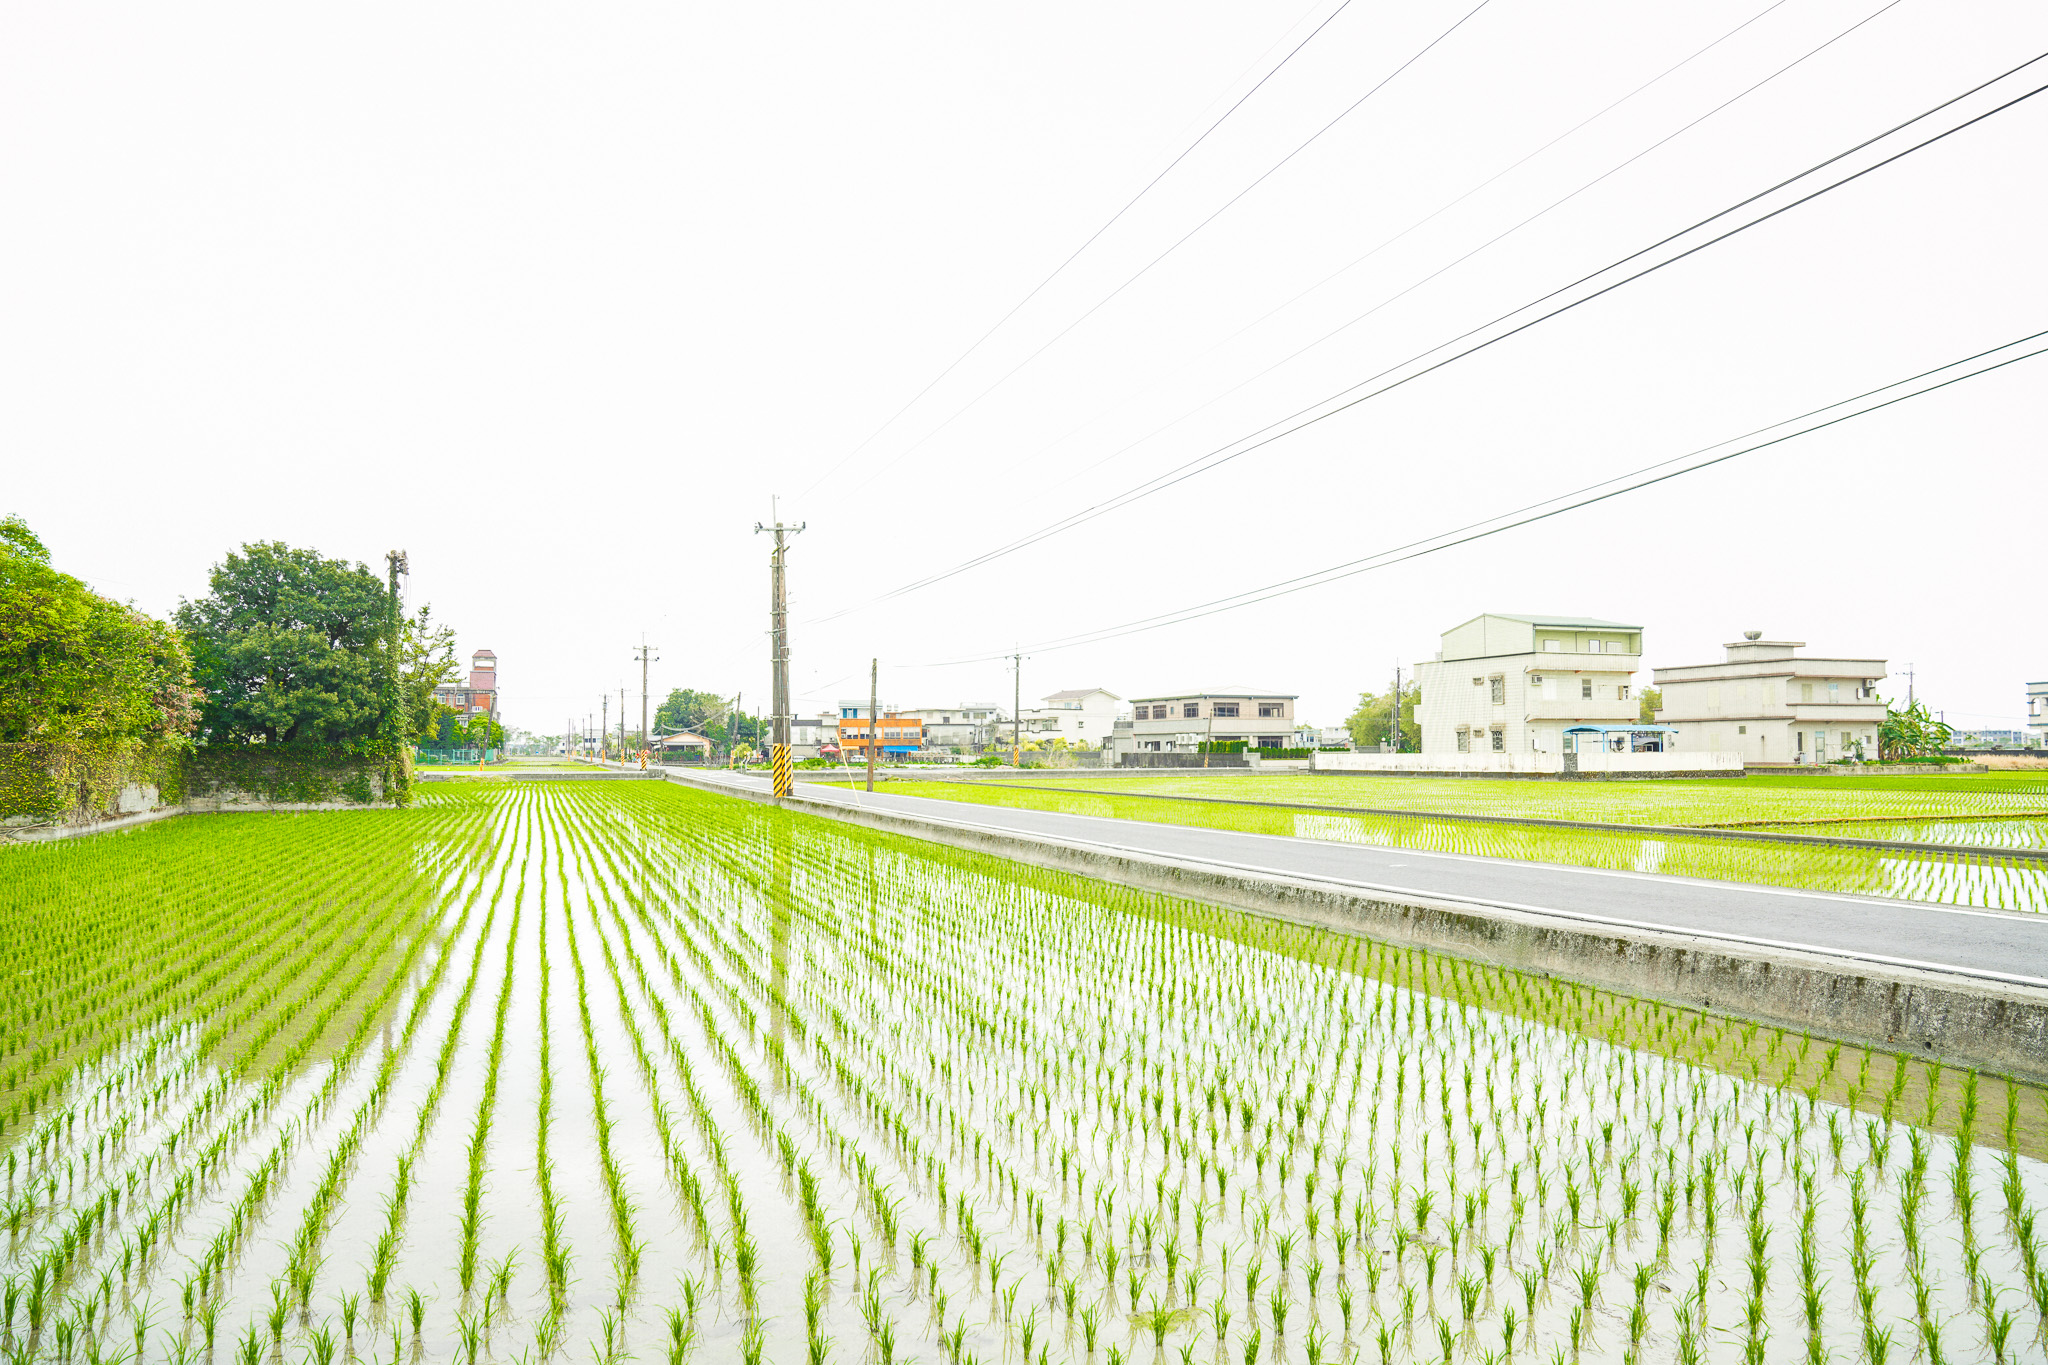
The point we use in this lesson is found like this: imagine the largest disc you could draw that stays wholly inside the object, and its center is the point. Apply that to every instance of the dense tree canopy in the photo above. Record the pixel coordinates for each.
(426, 661)
(1372, 724)
(288, 647)
(705, 714)
(78, 667)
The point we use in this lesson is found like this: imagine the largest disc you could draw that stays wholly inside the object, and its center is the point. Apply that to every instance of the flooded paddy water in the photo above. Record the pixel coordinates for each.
(1963, 871)
(612, 1072)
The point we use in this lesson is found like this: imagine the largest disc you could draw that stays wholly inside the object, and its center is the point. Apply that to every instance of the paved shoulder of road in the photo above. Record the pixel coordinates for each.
(1993, 945)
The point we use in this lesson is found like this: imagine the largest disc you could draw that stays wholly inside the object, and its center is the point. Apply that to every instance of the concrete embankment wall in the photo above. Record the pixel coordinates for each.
(1986, 1026)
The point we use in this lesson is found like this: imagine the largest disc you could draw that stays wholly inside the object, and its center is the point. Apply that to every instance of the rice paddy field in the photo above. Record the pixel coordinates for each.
(1951, 871)
(601, 1072)
(1757, 800)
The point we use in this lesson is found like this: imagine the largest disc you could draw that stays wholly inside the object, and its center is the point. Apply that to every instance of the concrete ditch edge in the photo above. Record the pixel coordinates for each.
(1980, 1025)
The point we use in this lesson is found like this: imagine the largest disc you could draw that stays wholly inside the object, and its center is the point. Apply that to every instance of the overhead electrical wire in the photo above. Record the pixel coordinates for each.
(1308, 416)
(1060, 269)
(1994, 358)
(1178, 243)
(1492, 241)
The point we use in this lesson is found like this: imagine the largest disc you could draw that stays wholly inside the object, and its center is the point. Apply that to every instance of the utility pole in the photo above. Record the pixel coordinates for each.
(874, 715)
(1909, 687)
(645, 655)
(1397, 708)
(1016, 709)
(604, 724)
(778, 647)
(622, 722)
(397, 726)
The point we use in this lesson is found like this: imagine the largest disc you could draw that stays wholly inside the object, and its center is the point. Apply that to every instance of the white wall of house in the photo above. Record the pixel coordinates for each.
(1515, 684)
(1770, 706)
(1081, 715)
(2037, 714)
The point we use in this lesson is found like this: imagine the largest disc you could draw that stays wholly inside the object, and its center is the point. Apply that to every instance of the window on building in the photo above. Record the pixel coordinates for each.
(1226, 708)
(1552, 646)
(1742, 729)
(1497, 690)
(1190, 710)
(1621, 692)
(1806, 691)
(1464, 740)
(1269, 710)
(1847, 740)
(1585, 689)
(1499, 738)
(1592, 646)
(1713, 697)
(1834, 691)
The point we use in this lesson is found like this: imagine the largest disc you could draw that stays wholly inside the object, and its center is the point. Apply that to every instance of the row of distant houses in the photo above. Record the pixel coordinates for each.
(1084, 718)
(1500, 684)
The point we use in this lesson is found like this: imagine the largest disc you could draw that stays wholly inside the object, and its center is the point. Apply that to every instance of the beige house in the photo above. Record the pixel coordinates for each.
(1184, 720)
(1509, 684)
(1771, 707)
(2037, 715)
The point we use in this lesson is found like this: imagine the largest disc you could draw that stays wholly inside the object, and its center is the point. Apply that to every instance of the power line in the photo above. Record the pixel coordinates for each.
(1301, 418)
(1183, 240)
(1060, 269)
(1631, 482)
(1497, 238)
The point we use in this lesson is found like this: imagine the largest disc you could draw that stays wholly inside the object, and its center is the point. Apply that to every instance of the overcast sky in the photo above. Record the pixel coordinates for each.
(557, 300)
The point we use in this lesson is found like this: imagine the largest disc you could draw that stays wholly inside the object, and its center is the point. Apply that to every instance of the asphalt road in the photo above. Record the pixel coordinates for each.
(1993, 945)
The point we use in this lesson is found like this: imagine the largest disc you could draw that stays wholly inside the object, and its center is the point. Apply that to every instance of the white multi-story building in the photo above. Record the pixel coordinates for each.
(1080, 715)
(1510, 684)
(2037, 715)
(1771, 707)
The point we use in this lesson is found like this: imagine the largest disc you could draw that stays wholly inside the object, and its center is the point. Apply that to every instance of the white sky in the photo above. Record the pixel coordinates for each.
(557, 299)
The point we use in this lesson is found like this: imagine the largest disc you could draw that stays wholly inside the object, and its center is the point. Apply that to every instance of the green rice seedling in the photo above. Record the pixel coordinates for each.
(415, 1309)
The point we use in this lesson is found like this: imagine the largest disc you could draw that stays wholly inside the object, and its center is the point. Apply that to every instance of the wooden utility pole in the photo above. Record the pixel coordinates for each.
(778, 648)
(874, 715)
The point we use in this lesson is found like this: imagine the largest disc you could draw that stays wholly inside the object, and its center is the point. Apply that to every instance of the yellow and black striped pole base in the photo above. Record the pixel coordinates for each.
(781, 770)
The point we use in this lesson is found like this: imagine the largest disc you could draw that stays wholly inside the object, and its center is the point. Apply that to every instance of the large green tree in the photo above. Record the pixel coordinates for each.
(290, 649)
(78, 667)
(1372, 724)
(687, 709)
(706, 714)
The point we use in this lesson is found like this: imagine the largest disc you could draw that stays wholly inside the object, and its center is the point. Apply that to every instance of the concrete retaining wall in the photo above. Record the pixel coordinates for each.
(1986, 1026)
